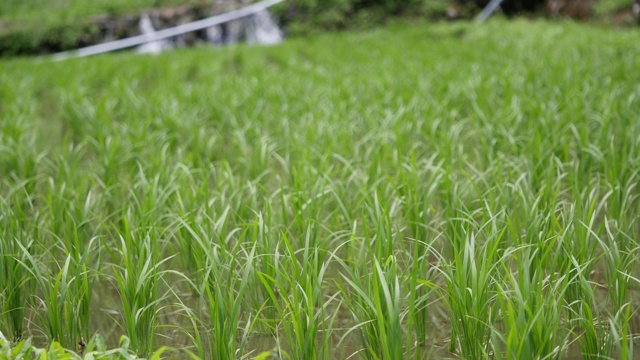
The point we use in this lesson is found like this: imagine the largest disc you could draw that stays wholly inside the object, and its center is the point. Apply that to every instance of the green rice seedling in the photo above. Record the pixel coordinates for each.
(579, 250)
(66, 293)
(191, 212)
(137, 282)
(531, 309)
(605, 336)
(377, 309)
(17, 284)
(619, 253)
(471, 285)
(456, 215)
(111, 156)
(298, 297)
(71, 225)
(221, 255)
(382, 240)
(419, 292)
(302, 208)
(59, 307)
(85, 267)
(596, 341)
(372, 291)
(268, 266)
(194, 334)
(531, 299)
(621, 333)
(19, 163)
(224, 296)
(419, 209)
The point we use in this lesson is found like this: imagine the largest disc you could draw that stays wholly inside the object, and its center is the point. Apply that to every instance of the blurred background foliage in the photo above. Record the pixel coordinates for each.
(44, 26)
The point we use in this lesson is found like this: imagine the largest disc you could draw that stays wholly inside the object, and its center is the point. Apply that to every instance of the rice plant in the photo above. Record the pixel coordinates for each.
(419, 190)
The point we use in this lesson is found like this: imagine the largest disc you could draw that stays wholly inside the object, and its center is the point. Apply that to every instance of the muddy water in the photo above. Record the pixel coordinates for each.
(106, 319)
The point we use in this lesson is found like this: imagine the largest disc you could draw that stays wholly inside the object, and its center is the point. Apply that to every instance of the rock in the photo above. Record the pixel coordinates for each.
(215, 35)
(261, 29)
(452, 13)
(233, 31)
(154, 47)
(167, 14)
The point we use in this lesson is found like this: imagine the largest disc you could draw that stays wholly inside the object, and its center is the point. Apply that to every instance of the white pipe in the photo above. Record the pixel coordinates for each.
(168, 32)
(488, 10)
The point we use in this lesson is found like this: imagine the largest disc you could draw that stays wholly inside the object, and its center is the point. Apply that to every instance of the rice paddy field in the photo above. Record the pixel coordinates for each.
(444, 191)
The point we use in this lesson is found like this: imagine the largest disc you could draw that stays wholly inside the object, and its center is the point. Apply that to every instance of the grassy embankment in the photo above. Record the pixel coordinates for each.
(44, 26)
(397, 193)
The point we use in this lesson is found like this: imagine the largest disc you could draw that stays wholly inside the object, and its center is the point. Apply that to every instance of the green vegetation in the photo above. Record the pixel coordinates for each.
(420, 190)
(611, 6)
(95, 349)
(40, 26)
(44, 26)
(30, 27)
(65, 11)
(616, 12)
